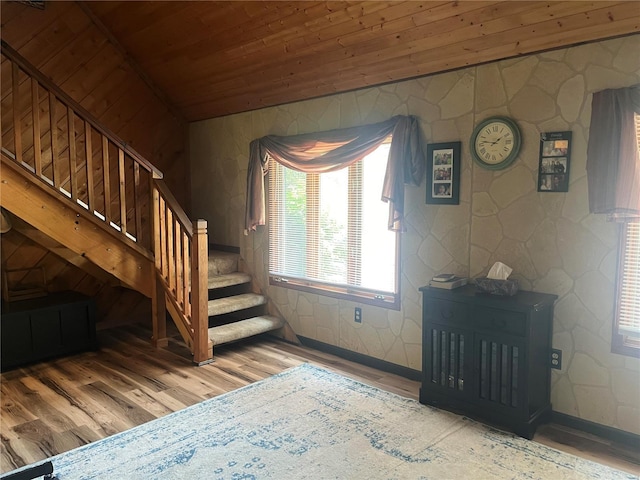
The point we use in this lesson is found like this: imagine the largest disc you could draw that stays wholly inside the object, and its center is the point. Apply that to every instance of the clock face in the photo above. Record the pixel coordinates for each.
(495, 142)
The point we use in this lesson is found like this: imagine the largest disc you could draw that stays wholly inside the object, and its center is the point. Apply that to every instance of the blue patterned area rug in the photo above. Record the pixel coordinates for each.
(309, 423)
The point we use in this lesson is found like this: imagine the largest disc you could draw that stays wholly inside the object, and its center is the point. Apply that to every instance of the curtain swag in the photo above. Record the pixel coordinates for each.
(613, 163)
(333, 150)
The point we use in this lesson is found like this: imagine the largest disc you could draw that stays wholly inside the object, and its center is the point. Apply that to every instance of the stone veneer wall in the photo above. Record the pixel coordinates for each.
(552, 242)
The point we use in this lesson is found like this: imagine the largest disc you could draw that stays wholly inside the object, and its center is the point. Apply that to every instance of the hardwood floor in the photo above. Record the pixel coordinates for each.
(55, 406)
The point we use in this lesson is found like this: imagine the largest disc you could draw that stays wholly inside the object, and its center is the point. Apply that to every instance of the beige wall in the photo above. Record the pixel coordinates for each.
(552, 242)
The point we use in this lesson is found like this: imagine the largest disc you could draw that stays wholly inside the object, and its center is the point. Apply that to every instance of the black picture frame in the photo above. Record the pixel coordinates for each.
(443, 173)
(555, 162)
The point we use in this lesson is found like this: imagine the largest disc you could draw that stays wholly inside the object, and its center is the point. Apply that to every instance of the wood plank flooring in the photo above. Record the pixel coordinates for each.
(58, 405)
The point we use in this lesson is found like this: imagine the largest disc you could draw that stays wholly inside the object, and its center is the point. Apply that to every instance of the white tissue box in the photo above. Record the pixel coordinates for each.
(497, 287)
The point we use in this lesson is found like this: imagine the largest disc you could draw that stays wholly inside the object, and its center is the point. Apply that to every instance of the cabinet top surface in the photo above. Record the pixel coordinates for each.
(51, 300)
(524, 299)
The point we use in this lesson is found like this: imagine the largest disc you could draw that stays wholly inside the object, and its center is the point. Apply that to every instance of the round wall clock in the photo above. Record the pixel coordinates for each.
(495, 142)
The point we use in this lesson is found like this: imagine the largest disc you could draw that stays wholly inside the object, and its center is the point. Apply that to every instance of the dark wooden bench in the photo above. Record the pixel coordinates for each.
(40, 328)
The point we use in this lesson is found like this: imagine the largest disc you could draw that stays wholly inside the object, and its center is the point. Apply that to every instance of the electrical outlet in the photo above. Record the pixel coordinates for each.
(556, 359)
(357, 316)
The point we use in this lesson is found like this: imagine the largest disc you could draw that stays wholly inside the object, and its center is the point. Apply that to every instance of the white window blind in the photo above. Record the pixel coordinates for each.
(627, 321)
(629, 288)
(328, 232)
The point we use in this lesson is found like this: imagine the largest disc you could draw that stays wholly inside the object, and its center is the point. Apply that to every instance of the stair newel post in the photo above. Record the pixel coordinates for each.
(158, 302)
(199, 294)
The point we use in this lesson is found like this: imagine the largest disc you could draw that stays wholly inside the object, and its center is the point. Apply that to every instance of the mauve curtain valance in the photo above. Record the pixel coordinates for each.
(332, 150)
(613, 166)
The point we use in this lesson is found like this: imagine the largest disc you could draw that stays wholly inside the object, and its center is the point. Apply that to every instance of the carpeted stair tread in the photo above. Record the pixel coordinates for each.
(221, 263)
(235, 303)
(228, 279)
(244, 329)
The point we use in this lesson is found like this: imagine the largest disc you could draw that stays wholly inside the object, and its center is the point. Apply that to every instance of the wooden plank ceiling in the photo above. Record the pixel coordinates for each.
(217, 58)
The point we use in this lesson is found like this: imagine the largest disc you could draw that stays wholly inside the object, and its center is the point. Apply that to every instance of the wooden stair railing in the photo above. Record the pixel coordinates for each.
(49, 137)
(182, 269)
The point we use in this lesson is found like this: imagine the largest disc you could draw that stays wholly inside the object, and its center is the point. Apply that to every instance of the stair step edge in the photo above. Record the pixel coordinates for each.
(244, 329)
(228, 280)
(235, 303)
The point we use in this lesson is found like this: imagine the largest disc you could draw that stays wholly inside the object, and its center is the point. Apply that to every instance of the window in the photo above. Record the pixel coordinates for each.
(626, 334)
(328, 232)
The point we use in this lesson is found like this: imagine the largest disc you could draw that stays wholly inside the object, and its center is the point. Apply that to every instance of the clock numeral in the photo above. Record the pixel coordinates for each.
(483, 151)
(508, 141)
(488, 131)
(493, 158)
(495, 128)
(505, 149)
(487, 156)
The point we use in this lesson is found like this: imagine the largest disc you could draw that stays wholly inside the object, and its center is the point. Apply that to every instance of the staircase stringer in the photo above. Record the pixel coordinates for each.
(66, 224)
(66, 254)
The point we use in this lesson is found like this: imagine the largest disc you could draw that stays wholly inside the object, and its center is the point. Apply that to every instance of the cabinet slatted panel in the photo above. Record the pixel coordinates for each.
(447, 359)
(499, 371)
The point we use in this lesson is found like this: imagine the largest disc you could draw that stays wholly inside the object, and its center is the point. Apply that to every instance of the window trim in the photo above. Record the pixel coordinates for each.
(340, 291)
(619, 343)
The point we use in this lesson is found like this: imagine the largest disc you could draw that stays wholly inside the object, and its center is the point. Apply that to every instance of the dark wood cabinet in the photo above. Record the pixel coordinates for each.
(488, 356)
(40, 328)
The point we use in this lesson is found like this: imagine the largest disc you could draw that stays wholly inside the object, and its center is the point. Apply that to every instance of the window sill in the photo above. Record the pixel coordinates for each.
(389, 301)
(622, 347)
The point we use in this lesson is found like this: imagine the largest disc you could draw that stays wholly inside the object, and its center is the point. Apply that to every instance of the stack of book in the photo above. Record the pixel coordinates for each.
(447, 281)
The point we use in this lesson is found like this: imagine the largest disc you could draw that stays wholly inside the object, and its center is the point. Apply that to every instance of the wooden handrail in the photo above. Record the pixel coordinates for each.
(170, 199)
(20, 61)
(177, 247)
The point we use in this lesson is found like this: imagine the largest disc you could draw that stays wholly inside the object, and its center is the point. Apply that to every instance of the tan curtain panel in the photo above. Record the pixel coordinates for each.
(613, 164)
(332, 150)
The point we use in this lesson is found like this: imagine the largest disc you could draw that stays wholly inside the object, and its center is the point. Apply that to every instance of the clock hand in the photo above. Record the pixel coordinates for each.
(497, 140)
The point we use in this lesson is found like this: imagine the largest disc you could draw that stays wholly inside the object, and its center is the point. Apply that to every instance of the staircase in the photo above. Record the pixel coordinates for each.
(234, 311)
(89, 192)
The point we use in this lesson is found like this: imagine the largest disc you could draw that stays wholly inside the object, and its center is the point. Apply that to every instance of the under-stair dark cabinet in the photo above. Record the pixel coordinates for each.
(488, 356)
(58, 324)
